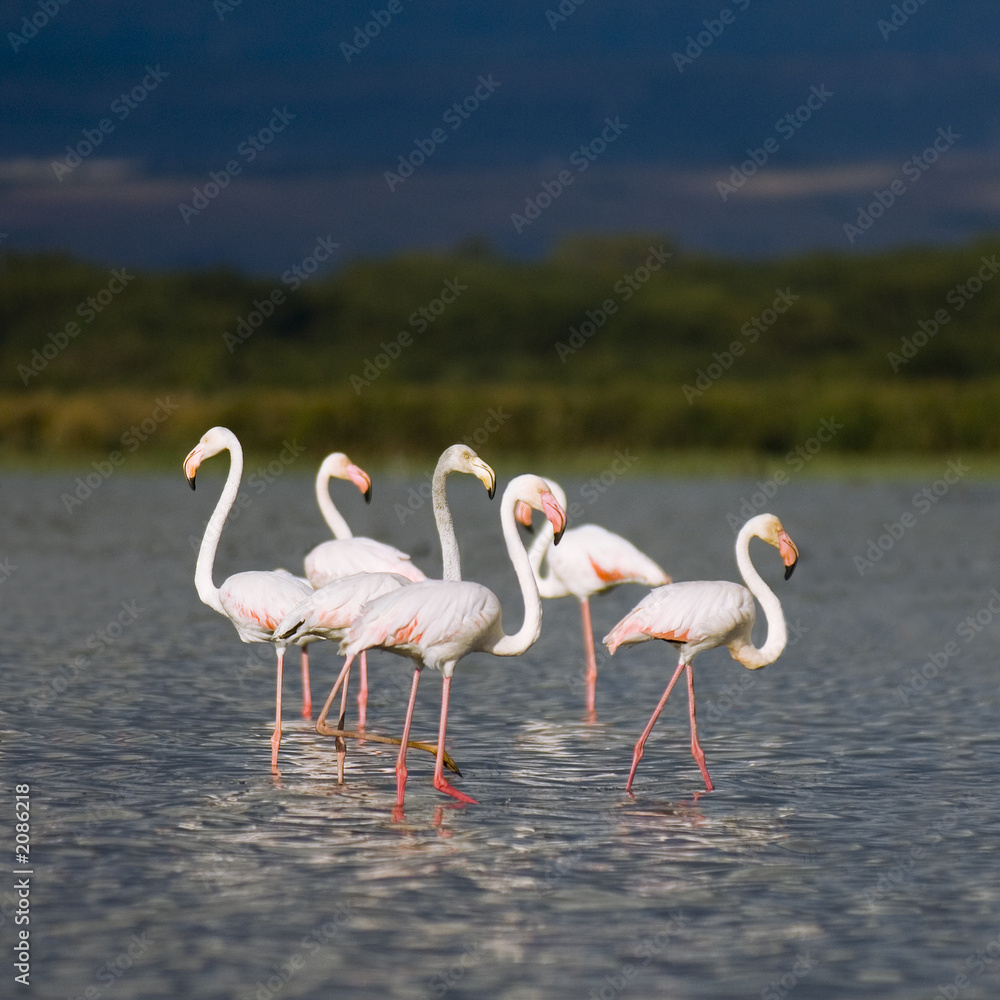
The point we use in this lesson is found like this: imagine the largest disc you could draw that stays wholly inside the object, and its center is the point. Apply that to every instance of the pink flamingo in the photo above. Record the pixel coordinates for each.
(344, 557)
(589, 560)
(437, 622)
(253, 601)
(703, 614)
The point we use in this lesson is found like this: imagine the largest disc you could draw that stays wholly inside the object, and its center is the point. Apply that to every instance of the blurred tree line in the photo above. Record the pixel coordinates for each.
(625, 340)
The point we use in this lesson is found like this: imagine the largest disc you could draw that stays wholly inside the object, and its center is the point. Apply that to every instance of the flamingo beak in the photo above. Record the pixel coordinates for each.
(555, 514)
(789, 552)
(362, 480)
(191, 464)
(522, 514)
(485, 475)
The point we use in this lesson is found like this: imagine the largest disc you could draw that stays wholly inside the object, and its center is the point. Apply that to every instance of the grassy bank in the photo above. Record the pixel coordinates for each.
(753, 425)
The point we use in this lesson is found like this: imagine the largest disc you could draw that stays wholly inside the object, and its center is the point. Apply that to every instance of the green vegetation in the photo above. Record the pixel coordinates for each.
(608, 344)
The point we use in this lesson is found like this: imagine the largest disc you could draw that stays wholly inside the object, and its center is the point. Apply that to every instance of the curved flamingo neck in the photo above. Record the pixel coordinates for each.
(527, 634)
(334, 519)
(777, 632)
(548, 583)
(207, 590)
(445, 526)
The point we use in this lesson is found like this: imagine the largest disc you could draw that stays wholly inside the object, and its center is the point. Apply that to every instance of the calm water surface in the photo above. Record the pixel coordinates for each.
(849, 850)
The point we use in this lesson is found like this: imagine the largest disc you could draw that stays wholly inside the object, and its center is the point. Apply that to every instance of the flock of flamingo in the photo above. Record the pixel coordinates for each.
(365, 595)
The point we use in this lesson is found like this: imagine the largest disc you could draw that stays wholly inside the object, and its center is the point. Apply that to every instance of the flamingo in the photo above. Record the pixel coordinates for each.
(589, 560)
(254, 601)
(327, 612)
(437, 622)
(703, 614)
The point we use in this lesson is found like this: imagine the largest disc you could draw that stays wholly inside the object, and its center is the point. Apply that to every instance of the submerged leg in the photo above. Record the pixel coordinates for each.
(307, 702)
(276, 735)
(341, 743)
(588, 646)
(696, 750)
(401, 759)
(637, 755)
(439, 781)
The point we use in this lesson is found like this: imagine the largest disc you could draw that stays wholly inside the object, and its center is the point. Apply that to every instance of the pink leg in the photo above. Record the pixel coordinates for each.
(363, 691)
(276, 735)
(321, 726)
(699, 756)
(439, 782)
(307, 702)
(637, 755)
(401, 759)
(341, 743)
(588, 646)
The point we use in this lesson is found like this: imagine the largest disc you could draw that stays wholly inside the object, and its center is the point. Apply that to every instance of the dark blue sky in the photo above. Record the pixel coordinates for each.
(221, 69)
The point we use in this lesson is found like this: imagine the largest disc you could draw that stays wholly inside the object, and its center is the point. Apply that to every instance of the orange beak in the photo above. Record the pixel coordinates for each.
(789, 552)
(555, 514)
(522, 514)
(362, 480)
(191, 464)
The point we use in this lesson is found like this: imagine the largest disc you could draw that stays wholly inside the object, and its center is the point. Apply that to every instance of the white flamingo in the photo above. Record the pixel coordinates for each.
(701, 614)
(253, 601)
(333, 609)
(437, 622)
(589, 560)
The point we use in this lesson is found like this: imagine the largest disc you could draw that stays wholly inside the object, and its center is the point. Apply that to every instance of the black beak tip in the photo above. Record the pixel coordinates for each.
(368, 495)
(558, 536)
(790, 569)
(191, 482)
(493, 491)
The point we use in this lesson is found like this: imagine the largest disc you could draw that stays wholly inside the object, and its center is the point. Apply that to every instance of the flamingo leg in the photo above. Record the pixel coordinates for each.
(276, 735)
(321, 726)
(637, 755)
(363, 691)
(307, 704)
(439, 780)
(341, 743)
(588, 645)
(401, 759)
(696, 750)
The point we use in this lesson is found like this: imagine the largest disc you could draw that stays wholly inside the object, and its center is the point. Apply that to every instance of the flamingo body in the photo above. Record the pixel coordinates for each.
(703, 614)
(256, 600)
(342, 557)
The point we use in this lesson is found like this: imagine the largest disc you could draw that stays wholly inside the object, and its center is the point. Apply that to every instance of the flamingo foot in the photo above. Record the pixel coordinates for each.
(275, 743)
(442, 786)
(401, 773)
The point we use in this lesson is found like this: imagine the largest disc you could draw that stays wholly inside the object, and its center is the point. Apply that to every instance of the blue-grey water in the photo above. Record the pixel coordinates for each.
(850, 848)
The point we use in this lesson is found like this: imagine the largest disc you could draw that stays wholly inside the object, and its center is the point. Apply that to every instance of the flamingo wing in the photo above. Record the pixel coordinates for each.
(700, 614)
(435, 621)
(255, 601)
(590, 559)
(342, 557)
(327, 612)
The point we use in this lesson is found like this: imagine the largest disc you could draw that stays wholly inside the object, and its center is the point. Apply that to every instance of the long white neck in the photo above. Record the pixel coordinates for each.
(445, 526)
(527, 634)
(332, 516)
(548, 584)
(207, 590)
(777, 633)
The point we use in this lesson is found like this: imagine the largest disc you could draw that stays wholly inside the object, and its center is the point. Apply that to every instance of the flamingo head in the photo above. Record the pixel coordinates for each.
(338, 466)
(212, 442)
(529, 493)
(461, 458)
(771, 531)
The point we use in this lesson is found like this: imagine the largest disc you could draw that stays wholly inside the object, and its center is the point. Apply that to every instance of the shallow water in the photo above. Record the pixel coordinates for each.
(850, 847)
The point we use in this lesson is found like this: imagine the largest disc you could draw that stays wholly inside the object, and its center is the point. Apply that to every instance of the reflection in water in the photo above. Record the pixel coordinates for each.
(848, 843)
